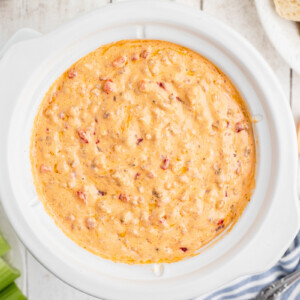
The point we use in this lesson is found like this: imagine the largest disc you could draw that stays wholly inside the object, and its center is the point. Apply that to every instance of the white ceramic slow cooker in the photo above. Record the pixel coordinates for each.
(267, 226)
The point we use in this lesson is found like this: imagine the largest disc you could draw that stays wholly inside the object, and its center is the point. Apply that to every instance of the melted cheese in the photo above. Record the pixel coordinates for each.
(143, 151)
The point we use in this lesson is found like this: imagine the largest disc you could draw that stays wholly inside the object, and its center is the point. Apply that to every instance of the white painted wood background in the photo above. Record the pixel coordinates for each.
(45, 15)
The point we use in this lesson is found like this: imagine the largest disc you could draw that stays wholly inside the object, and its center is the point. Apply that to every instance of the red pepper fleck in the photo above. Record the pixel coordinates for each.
(47, 130)
(83, 136)
(144, 54)
(137, 175)
(178, 99)
(101, 193)
(227, 124)
(109, 86)
(118, 62)
(162, 220)
(220, 227)
(226, 194)
(72, 73)
(82, 196)
(165, 164)
(123, 198)
(221, 221)
(97, 142)
(139, 141)
(134, 57)
(162, 85)
(183, 249)
(239, 127)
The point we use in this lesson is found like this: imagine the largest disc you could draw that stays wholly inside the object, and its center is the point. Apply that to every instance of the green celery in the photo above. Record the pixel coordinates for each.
(7, 274)
(4, 247)
(12, 292)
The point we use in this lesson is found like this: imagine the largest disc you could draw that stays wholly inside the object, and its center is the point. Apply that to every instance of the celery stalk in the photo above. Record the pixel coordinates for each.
(7, 274)
(12, 292)
(4, 247)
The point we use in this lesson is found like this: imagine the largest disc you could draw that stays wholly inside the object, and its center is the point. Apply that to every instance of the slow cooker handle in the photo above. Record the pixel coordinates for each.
(20, 35)
(276, 289)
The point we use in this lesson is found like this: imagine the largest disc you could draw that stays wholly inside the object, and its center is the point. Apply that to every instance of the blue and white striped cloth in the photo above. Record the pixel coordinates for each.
(248, 287)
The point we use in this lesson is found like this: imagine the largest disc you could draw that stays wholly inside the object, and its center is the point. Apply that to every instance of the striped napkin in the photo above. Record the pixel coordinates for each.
(247, 287)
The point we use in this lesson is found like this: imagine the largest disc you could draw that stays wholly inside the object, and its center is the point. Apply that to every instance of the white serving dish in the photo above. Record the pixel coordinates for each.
(268, 224)
(284, 34)
(17, 255)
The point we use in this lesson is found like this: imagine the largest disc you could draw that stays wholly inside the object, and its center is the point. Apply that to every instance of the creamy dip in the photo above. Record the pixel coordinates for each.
(143, 151)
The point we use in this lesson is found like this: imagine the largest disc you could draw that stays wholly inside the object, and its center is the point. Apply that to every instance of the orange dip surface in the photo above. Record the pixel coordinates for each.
(143, 151)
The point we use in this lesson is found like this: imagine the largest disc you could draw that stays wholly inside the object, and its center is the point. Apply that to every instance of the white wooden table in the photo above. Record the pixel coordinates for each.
(45, 15)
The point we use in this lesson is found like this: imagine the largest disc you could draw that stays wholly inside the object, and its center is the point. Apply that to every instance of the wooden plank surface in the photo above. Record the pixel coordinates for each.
(45, 15)
(41, 15)
(242, 16)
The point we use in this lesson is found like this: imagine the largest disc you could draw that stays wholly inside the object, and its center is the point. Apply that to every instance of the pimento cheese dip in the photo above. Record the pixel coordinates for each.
(143, 151)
